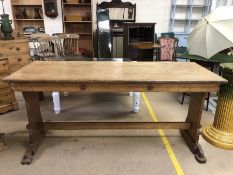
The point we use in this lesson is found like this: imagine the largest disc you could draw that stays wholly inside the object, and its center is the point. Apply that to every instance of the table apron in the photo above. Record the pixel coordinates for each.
(116, 87)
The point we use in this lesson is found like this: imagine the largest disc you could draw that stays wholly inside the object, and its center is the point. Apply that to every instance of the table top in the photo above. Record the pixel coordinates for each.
(145, 45)
(114, 72)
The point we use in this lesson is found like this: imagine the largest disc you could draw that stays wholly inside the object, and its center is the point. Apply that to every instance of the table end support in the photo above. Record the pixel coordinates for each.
(195, 148)
(36, 132)
(31, 150)
(2, 143)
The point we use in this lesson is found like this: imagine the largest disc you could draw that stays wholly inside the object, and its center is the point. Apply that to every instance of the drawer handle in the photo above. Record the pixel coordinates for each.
(18, 48)
(19, 59)
(150, 88)
(83, 87)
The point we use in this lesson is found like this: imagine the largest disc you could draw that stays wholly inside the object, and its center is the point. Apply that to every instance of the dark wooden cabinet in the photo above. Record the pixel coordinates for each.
(134, 33)
(118, 13)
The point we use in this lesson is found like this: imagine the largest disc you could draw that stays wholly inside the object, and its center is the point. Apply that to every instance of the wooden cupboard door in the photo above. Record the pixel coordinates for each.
(4, 70)
(6, 96)
(21, 59)
(11, 48)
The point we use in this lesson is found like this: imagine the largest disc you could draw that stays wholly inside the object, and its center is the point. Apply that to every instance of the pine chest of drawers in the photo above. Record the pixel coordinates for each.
(14, 54)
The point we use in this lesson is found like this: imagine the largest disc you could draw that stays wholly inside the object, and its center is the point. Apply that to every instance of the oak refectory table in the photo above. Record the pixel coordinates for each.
(113, 77)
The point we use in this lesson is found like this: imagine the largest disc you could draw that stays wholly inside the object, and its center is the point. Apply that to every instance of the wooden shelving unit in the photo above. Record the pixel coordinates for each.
(29, 6)
(77, 18)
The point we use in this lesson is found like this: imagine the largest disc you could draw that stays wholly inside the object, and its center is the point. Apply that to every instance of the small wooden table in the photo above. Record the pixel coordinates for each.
(147, 46)
(81, 76)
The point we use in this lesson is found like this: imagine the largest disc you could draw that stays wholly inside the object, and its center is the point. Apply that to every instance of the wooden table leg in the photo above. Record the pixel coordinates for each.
(36, 132)
(41, 96)
(56, 102)
(2, 144)
(136, 101)
(191, 135)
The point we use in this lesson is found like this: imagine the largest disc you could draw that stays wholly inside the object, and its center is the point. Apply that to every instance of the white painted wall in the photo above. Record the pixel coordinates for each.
(154, 11)
(7, 7)
(54, 25)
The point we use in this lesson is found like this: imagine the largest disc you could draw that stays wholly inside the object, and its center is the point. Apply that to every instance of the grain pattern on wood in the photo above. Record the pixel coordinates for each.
(15, 47)
(4, 69)
(33, 113)
(7, 96)
(111, 87)
(8, 107)
(113, 125)
(16, 41)
(36, 133)
(115, 72)
(19, 59)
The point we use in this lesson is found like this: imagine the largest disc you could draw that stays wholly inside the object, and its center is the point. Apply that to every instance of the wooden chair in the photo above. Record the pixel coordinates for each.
(43, 46)
(67, 47)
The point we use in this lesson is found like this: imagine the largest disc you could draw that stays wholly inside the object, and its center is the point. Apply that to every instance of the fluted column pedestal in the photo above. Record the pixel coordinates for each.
(220, 133)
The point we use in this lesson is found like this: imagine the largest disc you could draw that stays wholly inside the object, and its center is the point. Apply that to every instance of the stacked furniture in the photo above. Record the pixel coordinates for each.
(14, 54)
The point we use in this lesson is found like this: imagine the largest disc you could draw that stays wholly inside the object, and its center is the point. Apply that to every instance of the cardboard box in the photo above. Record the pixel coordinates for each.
(73, 18)
(72, 1)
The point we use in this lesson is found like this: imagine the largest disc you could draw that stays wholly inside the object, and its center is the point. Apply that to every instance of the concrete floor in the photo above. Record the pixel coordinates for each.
(106, 152)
